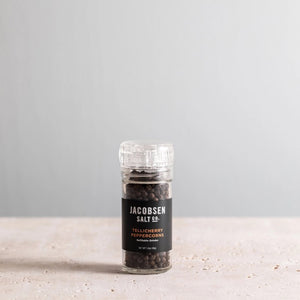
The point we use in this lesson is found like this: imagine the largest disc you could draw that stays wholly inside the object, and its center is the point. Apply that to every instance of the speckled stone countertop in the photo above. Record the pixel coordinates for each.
(213, 258)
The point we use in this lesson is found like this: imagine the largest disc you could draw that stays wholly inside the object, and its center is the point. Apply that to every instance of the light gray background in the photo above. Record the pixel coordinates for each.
(221, 79)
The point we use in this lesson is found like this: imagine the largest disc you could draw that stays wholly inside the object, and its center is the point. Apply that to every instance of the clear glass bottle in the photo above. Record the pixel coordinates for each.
(147, 171)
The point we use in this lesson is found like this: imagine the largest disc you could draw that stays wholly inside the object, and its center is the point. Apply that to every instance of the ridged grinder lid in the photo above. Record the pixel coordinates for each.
(139, 154)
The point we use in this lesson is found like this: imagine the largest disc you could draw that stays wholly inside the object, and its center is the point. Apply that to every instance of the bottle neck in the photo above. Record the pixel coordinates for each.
(147, 175)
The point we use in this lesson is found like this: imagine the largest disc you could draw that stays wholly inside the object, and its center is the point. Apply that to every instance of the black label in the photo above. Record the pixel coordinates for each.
(147, 225)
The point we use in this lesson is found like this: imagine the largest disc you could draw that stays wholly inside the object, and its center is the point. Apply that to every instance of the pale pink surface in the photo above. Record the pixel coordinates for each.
(213, 258)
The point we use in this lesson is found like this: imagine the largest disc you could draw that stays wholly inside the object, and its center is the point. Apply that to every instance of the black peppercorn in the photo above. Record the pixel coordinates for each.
(147, 192)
